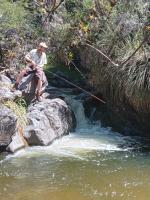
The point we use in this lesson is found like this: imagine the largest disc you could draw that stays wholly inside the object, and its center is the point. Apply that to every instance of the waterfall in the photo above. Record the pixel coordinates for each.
(78, 109)
(88, 136)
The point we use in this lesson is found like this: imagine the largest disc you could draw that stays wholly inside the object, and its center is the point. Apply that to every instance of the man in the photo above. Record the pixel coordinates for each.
(36, 59)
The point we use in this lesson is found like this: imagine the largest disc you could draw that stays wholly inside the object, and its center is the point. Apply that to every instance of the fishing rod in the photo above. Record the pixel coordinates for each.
(123, 63)
(115, 64)
(92, 95)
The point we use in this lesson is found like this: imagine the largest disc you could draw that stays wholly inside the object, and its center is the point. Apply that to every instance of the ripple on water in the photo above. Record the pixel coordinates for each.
(92, 164)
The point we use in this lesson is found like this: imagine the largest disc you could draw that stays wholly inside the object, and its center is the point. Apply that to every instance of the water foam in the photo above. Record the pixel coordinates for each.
(87, 137)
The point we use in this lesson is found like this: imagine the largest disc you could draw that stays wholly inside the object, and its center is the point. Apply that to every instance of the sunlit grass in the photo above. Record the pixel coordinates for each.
(19, 107)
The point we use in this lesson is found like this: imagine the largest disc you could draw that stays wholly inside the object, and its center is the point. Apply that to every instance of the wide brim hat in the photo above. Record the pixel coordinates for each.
(43, 44)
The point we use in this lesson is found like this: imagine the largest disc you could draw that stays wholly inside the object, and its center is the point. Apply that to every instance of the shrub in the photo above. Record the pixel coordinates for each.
(117, 30)
(12, 15)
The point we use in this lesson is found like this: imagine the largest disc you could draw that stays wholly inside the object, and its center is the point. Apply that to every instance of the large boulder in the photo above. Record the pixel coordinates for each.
(17, 143)
(5, 79)
(6, 94)
(8, 126)
(5, 89)
(28, 87)
(48, 120)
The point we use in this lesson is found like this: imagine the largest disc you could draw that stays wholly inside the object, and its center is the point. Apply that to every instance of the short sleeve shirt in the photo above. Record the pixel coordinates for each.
(40, 60)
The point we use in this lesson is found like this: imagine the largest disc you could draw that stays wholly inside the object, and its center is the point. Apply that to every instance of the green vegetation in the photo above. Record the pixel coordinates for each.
(11, 15)
(118, 30)
(115, 27)
(19, 107)
(66, 71)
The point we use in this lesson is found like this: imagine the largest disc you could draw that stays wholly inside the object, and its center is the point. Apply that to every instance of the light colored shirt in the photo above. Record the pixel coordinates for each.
(40, 60)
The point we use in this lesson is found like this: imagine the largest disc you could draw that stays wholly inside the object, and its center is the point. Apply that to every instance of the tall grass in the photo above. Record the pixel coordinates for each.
(19, 107)
(120, 33)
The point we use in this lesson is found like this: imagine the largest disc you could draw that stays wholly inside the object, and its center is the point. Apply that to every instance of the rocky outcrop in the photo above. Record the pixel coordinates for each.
(48, 120)
(5, 79)
(5, 90)
(6, 94)
(8, 124)
(28, 87)
(17, 143)
(123, 119)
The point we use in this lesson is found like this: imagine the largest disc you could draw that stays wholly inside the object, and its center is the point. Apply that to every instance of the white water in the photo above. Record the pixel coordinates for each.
(86, 138)
(90, 164)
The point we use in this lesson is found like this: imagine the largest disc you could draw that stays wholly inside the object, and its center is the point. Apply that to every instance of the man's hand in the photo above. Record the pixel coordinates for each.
(28, 59)
(33, 64)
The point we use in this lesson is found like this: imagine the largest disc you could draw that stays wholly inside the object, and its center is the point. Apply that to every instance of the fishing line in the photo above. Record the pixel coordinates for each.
(92, 95)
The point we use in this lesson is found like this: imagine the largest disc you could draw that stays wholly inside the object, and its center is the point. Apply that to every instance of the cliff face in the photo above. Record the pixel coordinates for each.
(121, 118)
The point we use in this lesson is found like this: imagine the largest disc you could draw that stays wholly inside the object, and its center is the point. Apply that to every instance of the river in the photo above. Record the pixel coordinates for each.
(92, 163)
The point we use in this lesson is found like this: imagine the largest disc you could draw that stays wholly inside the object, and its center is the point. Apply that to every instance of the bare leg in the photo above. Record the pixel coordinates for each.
(20, 76)
(39, 88)
(18, 79)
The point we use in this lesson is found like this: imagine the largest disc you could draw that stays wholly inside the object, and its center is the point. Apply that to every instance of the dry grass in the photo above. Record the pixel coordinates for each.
(19, 108)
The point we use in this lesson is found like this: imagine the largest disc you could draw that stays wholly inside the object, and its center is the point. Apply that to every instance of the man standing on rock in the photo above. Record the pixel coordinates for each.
(36, 59)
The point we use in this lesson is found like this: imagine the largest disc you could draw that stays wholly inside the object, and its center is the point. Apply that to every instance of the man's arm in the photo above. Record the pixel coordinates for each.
(28, 59)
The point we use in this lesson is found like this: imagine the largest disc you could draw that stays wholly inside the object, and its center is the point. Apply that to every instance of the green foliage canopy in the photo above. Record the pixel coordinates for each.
(12, 15)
